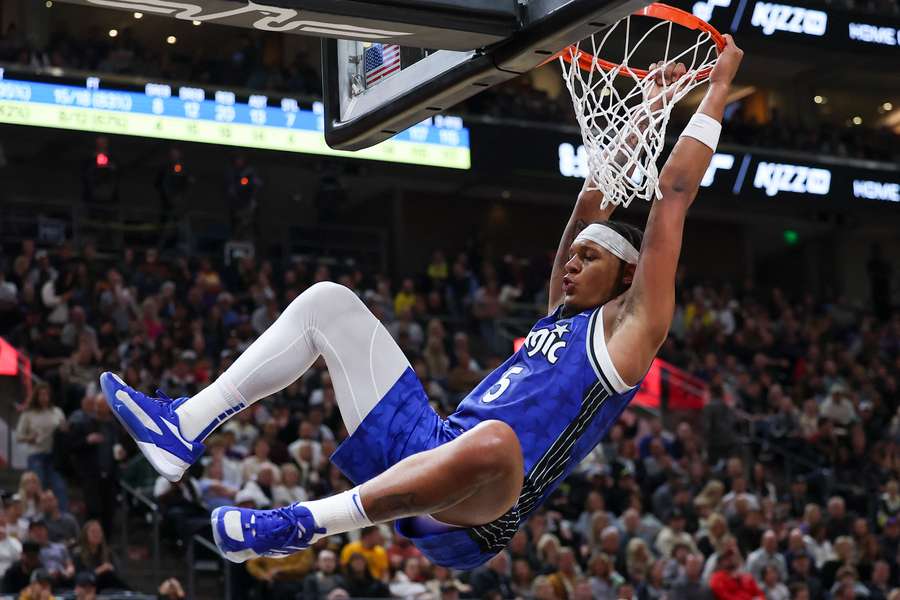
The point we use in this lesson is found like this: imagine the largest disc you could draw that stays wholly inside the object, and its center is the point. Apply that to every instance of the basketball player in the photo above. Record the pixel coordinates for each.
(458, 488)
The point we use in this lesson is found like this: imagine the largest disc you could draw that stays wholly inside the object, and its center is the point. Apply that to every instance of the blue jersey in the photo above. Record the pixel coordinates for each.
(560, 393)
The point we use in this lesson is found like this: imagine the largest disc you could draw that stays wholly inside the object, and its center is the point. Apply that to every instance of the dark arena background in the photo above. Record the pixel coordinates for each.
(166, 190)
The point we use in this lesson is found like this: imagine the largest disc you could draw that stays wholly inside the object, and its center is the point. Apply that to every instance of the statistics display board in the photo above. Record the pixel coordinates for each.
(217, 117)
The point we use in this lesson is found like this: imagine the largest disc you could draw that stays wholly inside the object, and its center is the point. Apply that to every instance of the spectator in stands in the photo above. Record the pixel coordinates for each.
(325, 579)
(94, 443)
(37, 427)
(16, 522)
(95, 556)
(10, 547)
(18, 575)
(39, 588)
(772, 585)
(370, 547)
(85, 586)
(493, 577)
(55, 558)
(730, 583)
(29, 495)
(408, 581)
(61, 526)
(767, 555)
(359, 581)
(690, 586)
(281, 578)
(674, 534)
(261, 487)
(288, 490)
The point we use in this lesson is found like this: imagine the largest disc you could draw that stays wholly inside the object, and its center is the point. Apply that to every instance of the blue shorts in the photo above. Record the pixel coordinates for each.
(400, 425)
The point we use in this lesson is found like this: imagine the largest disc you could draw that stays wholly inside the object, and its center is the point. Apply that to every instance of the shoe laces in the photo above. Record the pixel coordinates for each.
(284, 524)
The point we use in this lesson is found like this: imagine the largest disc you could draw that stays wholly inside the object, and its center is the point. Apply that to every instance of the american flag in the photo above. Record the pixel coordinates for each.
(380, 61)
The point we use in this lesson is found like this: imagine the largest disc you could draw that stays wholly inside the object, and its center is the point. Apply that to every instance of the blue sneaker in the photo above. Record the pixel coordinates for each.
(244, 533)
(153, 424)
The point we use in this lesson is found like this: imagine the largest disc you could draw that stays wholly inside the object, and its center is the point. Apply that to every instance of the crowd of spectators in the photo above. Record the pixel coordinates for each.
(784, 486)
(244, 60)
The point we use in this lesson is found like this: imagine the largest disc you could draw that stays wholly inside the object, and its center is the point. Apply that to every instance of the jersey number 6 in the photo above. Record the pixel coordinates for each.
(503, 383)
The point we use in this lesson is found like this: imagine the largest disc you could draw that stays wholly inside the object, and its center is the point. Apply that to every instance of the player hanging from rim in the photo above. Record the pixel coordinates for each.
(458, 488)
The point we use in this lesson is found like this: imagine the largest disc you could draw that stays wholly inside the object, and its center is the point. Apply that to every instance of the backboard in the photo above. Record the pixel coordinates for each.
(448, 50)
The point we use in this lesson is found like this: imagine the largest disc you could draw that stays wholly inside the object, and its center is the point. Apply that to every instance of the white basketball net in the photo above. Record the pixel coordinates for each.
(624, 128)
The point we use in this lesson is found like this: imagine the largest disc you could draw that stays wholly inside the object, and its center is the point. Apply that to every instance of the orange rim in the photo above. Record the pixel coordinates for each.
(664, 12)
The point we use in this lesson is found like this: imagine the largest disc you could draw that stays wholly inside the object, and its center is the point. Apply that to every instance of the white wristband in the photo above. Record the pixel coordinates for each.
(704, 129)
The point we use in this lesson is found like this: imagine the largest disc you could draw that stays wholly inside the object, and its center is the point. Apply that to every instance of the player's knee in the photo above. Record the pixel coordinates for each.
(324, 296)
(497, 451)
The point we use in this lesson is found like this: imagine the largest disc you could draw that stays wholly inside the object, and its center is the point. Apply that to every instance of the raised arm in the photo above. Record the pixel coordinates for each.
(587, 210)
(643, 321)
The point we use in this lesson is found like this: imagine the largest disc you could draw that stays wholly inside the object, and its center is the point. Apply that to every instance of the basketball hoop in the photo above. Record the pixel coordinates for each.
(623, 123)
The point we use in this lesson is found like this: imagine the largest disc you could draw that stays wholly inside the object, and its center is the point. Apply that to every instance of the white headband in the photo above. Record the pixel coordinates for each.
(605, 237)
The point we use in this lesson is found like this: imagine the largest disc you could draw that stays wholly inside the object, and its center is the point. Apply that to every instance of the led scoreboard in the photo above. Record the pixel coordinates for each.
(217, 117)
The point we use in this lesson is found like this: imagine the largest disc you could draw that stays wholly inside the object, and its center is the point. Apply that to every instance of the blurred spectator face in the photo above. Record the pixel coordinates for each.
(567, 561)
(265, 477)
(582, 591)
(693, 567)
(500, 563)
(770, 542)
(49, 503)
(261, 449)
(102, 411)
(30, 484)
(327, 562)
(290, 475)
(632, 520)
(371, 537)
(358, 566)
(38, 533)
(214, 470)
(94, 533)
(43, 397)
(836, 509)
(307, 431)
(881, 573)
(626, 591)
(800, 564)
(770, 576)
(542, 589)
(609, 541)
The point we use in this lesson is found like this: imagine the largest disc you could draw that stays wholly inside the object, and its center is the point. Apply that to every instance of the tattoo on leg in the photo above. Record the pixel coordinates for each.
(387, 507)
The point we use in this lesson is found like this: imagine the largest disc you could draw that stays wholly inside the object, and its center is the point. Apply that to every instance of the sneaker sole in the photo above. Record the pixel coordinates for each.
(166, 464)
(235, 557)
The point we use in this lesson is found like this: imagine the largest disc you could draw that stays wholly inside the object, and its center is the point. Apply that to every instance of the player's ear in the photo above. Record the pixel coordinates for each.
(628, 274)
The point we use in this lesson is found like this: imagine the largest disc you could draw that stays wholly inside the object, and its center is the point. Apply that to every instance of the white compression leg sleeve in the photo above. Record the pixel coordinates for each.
(326, 320)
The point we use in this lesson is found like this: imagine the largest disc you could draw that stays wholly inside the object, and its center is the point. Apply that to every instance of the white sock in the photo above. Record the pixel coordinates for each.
(339, 513)
(215, 403)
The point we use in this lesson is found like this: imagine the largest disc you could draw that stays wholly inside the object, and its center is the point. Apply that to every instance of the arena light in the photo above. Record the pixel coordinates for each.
(171, 39)
(113, 33)
(49, 3)
(138, 15)
(857, 120)
(196, 23)
(887, 107)
(819, 99)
